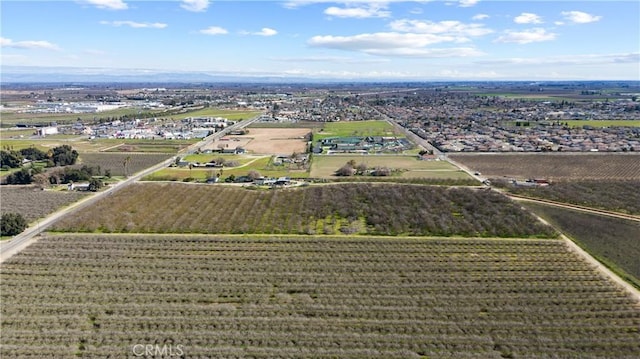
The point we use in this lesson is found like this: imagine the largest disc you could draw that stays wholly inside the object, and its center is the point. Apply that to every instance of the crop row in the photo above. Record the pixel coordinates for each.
(119, 164)
(33, 203)
(99, 295)
(613, 241)
(386, 209)
(619, 196)
(555, 166)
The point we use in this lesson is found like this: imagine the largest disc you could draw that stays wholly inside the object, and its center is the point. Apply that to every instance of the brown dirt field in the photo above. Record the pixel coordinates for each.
(270, 140)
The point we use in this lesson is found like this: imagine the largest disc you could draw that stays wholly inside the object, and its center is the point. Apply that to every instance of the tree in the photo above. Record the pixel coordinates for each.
(346, 170)
(253, 175)
(24, 176)
(64, 155)
(361, 169)
(12, 224)
(11, 159)
(95, 184)
(125, 164)
(33, 154)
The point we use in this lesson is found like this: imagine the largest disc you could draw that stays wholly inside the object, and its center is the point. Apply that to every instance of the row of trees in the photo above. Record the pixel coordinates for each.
(311, 297)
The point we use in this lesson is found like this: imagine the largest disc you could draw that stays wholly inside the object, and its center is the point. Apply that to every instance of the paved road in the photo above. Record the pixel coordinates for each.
(14, 245)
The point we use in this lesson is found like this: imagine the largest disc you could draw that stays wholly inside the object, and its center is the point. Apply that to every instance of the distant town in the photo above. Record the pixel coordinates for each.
(453, 117)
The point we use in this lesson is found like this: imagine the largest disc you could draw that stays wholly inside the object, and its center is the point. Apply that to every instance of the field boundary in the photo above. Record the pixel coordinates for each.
(576, 207)
(599, 266)
(574, 247)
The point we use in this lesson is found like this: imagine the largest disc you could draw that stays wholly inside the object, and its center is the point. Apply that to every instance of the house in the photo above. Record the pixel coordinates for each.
(83, 187)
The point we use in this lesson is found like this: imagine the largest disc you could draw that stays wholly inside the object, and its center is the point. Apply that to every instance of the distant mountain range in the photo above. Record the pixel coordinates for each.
(33, 74)
(40, 74)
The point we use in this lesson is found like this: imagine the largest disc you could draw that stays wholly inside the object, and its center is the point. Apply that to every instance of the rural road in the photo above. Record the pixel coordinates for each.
(14, 245)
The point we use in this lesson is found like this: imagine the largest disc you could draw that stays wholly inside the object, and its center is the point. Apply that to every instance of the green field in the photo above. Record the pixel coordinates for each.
(10, 119)
(324, 166)
(602, 123)
(233, 115)
(355, 128)
(106, 144)
(7, 134)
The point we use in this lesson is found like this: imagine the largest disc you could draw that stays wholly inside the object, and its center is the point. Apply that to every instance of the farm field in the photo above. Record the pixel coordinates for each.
(232, 115)
(557, 166)
(325, 166)
(99, 145)
(613, 241)
(260, 164)
(280, 141)
(311, 297)
(13, 118)
(603, 123)
(33, 203)
(115, 162)
(385, 209)
(355, 128)
(619, 196)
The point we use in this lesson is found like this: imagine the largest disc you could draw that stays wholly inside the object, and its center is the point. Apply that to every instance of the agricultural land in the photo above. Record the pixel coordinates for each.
(554, 166)
(612, 240)
(311, 297)
(33, 202)
(421, 220)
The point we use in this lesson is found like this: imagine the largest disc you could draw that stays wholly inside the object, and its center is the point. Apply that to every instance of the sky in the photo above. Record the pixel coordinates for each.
(461, 40)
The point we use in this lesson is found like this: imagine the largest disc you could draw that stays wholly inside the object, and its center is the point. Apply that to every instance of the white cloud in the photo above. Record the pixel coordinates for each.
(527, 36)
(214, 30)
(480, 17)
(468, 3)
(266, 32)
(393, 44)
(527, 18)
(195, 5)
(108, 4)
(579, 17)
(374, 10)
(449, 27)
(294, 4)
(134, 24)
(331, 59)
(28, 44)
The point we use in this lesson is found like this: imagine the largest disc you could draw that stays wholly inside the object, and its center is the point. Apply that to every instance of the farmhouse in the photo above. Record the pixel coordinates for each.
(83, 187)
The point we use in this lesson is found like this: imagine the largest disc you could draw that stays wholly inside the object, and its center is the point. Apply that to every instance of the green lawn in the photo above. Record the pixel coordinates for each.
(355, 128)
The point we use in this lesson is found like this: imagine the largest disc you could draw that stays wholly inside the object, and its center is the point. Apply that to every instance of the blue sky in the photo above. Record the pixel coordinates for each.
(394, 40)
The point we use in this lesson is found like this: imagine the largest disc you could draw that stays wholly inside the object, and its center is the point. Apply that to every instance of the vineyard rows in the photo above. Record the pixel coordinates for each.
(115, 162)
(386, 209)
(555, 166)
(309, 297)
(33, 203)
(619, 196)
